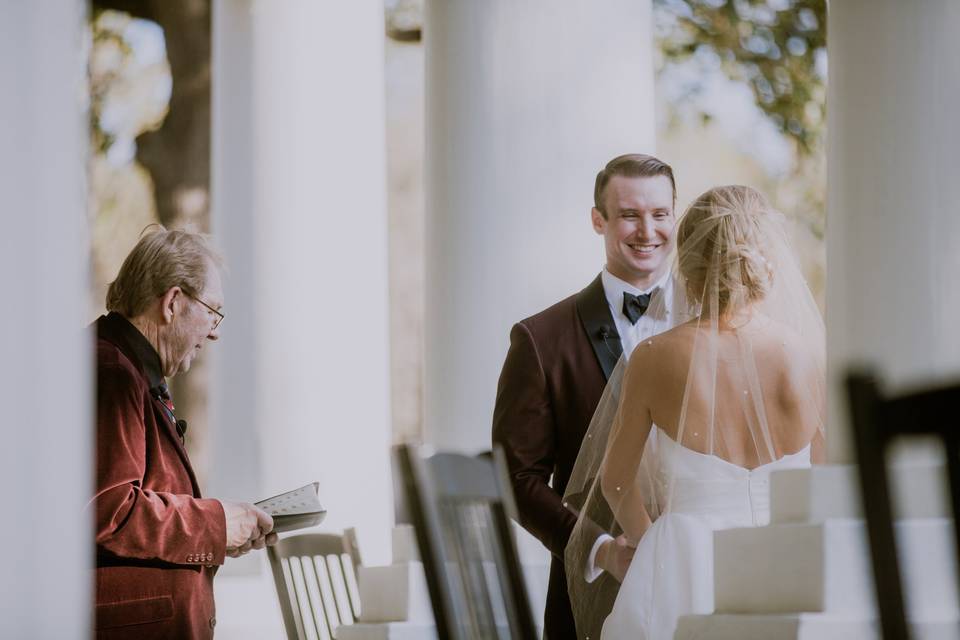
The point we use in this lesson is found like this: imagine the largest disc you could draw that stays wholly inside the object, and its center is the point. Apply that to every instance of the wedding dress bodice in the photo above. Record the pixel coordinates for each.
(712, 488)
(672, 570)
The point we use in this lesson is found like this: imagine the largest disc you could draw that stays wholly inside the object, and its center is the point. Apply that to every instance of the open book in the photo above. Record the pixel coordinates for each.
(295, 509)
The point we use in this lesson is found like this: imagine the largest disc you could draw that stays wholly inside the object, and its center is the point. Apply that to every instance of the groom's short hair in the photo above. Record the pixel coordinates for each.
(631, 165)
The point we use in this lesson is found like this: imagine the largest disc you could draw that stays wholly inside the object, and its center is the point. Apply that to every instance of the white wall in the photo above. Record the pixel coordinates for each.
(893, 237)
(301, 391)
(526, 101)
(45, 381)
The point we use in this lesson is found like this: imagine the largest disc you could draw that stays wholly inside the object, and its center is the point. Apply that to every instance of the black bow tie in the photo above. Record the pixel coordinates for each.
(635, 306)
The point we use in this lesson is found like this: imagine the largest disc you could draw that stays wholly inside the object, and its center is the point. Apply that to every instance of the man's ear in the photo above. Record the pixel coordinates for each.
(599, 222)
(170, 304)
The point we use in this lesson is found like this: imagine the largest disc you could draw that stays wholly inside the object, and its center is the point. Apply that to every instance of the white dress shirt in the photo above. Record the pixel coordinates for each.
(656, 320)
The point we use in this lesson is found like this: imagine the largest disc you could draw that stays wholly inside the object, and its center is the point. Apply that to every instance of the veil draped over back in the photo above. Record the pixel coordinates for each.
(740, 378)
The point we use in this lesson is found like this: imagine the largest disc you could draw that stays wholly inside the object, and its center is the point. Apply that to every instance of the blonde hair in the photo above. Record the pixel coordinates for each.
(160, 260)
(720, 244)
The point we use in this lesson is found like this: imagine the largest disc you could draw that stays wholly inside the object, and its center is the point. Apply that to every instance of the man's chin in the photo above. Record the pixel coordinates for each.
(185, 365)
(647, 267)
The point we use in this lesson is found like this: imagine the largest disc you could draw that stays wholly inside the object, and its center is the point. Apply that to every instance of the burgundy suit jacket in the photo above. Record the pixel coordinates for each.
(158, 543)
(554, 374)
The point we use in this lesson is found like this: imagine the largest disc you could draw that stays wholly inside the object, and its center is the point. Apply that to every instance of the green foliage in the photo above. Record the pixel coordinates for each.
(778, 47)
(109, 54)
(129, 81)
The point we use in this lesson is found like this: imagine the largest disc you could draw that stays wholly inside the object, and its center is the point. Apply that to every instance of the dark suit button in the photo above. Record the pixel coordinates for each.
(213, 622)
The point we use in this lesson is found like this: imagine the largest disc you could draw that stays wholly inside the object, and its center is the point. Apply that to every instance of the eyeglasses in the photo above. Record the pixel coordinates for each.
(216, 313)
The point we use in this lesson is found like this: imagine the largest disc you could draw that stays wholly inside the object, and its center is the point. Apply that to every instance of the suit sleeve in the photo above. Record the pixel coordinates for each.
(133, 522)
(524, 426)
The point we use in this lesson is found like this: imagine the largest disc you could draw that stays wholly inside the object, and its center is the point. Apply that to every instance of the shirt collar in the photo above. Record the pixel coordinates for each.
(614, 288)
(121, 332)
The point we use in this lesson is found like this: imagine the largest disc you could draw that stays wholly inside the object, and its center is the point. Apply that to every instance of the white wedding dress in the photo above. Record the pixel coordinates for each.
(672, 572)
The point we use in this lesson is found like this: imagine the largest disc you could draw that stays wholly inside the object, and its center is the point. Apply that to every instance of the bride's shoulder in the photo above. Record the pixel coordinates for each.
(786, 338)
(796, 357)
(661, 349)
(668, 340)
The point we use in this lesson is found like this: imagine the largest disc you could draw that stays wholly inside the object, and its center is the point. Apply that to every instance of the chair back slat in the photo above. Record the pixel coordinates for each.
(952, 446)
(877, 420)
(312, 627)
(464, 520)
(459, 508)
(347, 567)
(316, 583)
(340, 594)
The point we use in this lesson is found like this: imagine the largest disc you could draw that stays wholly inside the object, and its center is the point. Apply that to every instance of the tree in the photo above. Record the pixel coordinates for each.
(177, 154)
(778, 47)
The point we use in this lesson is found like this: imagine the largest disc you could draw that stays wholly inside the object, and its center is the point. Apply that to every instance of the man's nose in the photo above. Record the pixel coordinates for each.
(214, 334)
(645, 228)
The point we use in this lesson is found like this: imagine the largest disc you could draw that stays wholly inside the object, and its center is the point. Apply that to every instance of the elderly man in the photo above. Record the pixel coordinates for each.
(158, 542)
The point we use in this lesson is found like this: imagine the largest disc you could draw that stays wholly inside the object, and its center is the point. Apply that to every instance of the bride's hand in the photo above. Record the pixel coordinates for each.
(614, 556)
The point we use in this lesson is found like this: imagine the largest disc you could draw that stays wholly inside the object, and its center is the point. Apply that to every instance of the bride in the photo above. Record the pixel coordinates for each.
(689, 430)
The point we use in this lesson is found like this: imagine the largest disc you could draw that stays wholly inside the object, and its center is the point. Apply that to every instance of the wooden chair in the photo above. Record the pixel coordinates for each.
(877, 419)
(460, 508)
(315, 581)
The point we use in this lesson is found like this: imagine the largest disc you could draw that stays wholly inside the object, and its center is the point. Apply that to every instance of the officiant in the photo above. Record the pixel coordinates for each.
(158, 542)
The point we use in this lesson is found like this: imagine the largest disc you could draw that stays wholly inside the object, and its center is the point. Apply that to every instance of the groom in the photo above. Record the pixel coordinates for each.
(559, 361)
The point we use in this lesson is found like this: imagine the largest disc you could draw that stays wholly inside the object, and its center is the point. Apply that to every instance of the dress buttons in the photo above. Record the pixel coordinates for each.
(213, 622)
(190, 557)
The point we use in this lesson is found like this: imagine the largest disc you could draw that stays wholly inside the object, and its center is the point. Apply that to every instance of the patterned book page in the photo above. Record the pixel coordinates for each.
(298, 501)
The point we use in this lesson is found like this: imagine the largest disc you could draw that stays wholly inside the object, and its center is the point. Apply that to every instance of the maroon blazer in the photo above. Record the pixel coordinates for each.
(158, 543)
(554, 374)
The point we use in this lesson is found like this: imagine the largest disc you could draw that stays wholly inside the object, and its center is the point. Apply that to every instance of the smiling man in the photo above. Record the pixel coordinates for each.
(634, 214)
(559, 361)
(158, 542)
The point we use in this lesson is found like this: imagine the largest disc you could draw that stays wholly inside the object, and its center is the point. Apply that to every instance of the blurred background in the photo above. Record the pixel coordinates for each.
(736, 94)
(739, 98)
(394, 184)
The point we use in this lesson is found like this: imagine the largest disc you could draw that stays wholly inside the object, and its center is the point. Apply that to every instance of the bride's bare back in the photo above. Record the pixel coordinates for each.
(761, 398)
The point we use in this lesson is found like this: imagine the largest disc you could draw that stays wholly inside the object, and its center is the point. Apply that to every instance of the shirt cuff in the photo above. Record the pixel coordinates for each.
(592, 570)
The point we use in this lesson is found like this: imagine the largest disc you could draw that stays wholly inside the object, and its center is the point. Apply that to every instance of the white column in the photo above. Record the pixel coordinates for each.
(893, 297)
(300, 207)
(526, 101)
(46, 459)
(235, 441)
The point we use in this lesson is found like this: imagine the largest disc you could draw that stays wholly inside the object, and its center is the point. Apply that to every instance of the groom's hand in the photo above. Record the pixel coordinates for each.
(614, 556)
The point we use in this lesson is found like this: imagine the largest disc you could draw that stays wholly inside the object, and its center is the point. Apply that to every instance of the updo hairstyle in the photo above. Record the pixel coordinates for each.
(720, 247)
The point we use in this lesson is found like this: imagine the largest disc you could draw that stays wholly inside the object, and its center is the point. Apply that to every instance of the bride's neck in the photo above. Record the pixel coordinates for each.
(731, 321)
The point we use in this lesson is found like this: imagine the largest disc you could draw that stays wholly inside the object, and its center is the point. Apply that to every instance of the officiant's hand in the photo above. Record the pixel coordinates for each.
(614, 556)
(248, 527)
